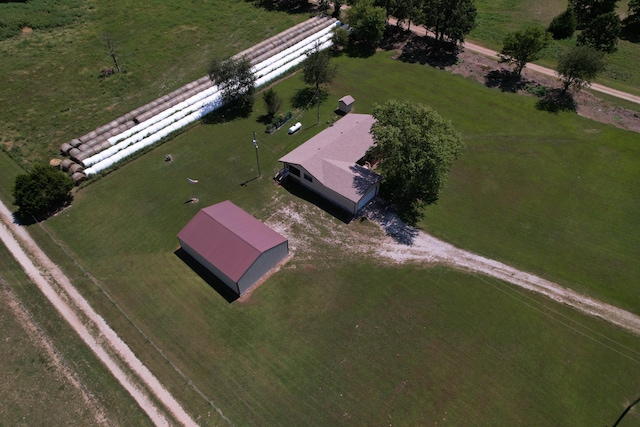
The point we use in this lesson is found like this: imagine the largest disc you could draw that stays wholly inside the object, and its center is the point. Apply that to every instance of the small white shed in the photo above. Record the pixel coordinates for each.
(345, 104)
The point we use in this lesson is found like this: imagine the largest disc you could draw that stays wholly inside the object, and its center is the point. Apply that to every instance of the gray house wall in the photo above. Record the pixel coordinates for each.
(265, 262)
(373, 191)
(317, 187)
(212, 268)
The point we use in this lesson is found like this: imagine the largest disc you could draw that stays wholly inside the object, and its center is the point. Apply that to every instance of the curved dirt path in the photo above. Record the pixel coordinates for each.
(421, 31)
(402, 243)
(92, 329)
(405, 243)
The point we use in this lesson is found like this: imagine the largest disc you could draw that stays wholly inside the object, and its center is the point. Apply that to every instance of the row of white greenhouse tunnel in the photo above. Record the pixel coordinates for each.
(102, 148)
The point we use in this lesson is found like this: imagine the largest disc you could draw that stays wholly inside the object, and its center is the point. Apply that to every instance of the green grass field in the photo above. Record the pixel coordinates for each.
(496, 18)
(51, 89)
(335, 339)
(34, 391)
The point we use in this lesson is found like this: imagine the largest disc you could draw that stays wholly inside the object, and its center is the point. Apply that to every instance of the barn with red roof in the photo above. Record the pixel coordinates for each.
(233, 245)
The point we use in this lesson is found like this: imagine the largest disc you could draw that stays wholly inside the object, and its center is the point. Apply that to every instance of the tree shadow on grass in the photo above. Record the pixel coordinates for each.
(288, 6)
(225, 292)
(630, 33)
(387, 217)
(505, 80)
(426, 50)
(300, 191)
(20, 218)
(306, 97)
(227, 113)
(394, 38)
(556, 100)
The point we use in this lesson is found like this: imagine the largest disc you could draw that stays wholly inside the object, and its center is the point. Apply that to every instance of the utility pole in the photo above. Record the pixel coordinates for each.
(255, 144)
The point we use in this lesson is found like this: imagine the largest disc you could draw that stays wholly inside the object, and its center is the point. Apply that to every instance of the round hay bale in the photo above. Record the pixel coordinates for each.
(78, 177)
(55, 162)
(75, 168)
(66, 163)
(103, 129)
(81, 157)
(74, 152)
(92, 135)
(75, 142)
(128, 117)
(66, 147)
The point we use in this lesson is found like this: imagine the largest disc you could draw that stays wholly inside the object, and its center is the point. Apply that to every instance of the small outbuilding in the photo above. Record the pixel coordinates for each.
(233, 245)
(345, 104)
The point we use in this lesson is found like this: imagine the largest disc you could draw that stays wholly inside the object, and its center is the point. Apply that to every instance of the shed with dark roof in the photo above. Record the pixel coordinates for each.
(233, 245)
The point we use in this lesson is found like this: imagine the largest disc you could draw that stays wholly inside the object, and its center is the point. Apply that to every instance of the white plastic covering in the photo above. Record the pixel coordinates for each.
(194, 108)
(295, 128)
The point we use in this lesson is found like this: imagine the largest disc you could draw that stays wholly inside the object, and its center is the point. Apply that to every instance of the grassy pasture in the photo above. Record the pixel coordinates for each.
(34, 391)
(496, 18)
(51, 91)
(343, 339)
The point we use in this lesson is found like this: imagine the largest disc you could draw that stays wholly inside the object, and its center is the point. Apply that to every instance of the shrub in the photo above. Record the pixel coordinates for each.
(564, 25)
(41, 190)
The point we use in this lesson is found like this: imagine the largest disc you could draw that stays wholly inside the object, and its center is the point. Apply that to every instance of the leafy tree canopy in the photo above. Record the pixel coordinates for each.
(453, 19)
(632, 22)
(602, 33)
(564, 25)
(272, 102)
(318, 71)
(588, 10)
(41, 190)
(368, 22)
(578, 66)
(414, 147)
(235, 80)
(524, 46)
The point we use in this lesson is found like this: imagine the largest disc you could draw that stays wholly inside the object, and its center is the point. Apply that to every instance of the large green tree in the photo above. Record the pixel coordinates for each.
(407, 10)
(368, 23)
(602, 33)
(631, 23)
(236, 81)
(41, 190)
(414, 148)
(524, 46)
(578, 66)
(564, 25)
(453, 19)
(317, 70)
(588, 10)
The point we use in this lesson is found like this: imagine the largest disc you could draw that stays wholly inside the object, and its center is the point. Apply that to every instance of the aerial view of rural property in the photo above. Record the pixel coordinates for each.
(320, 213)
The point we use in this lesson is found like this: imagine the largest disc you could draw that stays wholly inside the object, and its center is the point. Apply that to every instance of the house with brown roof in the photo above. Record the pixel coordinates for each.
(233, 245)
(331, 163)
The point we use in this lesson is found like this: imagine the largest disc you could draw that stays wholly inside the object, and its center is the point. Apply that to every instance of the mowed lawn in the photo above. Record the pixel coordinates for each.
(37, 390)
(339, 338)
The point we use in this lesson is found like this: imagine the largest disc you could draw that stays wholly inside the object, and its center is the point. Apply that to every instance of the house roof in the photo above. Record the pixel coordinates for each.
(347, 100)
(331, 156)
(229, 238)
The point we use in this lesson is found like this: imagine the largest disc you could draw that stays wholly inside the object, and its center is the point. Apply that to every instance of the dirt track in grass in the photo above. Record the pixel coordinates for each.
(113, 352)
(396, 242)
(481, 64)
